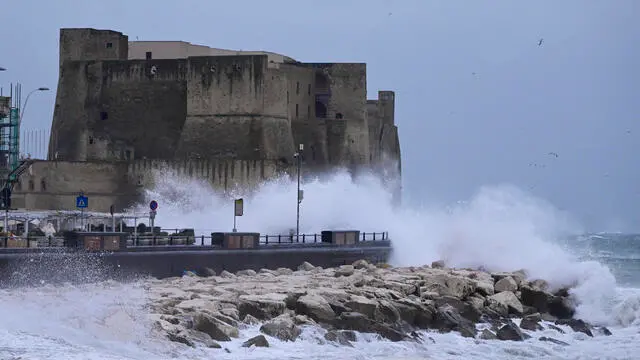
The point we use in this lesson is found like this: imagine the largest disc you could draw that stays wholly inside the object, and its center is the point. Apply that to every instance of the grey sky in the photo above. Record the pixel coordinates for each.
(477, 99)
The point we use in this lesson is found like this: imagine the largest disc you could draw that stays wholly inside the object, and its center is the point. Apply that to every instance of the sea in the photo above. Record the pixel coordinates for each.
(500, 228)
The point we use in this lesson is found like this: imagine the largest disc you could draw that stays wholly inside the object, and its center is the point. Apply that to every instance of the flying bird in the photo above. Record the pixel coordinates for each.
(540, 42)
(553, 154)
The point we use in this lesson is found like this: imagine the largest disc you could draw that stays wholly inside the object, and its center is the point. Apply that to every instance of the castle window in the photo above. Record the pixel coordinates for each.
(338, 116)
(296, 111)
(321, 110)
(90, 139)
(32, 186)
(298, 88)
(43, 185)
(287, 97)
(108, 45)
(104, 115)
(148, 55)
(308, 111)
(127, 155)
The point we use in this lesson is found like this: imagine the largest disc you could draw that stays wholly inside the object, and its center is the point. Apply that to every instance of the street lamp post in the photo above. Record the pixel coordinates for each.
(26, 101)
(298, 157)
(24, 107)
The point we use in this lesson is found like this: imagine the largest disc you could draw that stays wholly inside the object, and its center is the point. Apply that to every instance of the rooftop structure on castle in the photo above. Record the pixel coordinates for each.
(233, 117)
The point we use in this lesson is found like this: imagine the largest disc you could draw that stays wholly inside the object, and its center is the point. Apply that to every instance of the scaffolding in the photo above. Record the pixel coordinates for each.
(10, 133)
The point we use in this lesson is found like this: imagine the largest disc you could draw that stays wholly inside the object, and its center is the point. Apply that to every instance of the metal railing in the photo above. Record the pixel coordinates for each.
(145, 240)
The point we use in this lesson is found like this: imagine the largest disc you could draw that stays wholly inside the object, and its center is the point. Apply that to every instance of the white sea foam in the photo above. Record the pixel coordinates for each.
(500, 228)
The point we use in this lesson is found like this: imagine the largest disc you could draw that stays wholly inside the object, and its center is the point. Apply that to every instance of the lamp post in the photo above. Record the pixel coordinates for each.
(26, 101)
(298, 156)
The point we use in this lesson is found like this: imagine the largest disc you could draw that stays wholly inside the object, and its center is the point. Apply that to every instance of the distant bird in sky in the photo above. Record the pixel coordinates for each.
(540, 42)
(553, 154)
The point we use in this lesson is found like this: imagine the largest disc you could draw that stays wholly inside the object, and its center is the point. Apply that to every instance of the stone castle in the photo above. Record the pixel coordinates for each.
(236, 118)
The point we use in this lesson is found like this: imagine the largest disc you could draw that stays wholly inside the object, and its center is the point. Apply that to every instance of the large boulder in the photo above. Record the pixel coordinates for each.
(507, 283)
(282, 328)
(505, 303)
(316, 307)
(213, 327)
(448, 318)
(510, 332)
(262, 307)
(359, 322)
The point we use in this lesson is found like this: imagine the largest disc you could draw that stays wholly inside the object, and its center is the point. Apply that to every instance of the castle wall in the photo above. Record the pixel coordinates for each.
(224, 174)
(55, 185)
(142, 110)
(226, 112)
(92, 44)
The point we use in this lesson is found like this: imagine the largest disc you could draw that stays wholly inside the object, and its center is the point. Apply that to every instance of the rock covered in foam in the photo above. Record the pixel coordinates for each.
(391, 302)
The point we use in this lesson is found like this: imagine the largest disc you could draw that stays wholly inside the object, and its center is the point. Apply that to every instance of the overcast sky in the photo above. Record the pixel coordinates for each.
(478, 101)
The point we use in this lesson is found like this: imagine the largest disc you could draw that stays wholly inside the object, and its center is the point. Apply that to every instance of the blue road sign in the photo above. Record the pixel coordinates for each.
(82, 202)
(153, 205)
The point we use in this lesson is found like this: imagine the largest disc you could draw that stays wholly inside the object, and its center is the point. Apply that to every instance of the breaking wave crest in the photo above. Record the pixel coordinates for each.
(500, 228)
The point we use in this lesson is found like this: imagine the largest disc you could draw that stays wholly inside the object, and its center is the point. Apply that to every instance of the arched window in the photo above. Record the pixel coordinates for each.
(43, 185)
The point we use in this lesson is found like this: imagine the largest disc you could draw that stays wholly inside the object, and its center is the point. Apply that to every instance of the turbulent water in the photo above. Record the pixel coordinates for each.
(500, 228)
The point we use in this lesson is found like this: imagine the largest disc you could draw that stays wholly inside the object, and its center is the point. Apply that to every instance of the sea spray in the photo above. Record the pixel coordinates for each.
(500, 228)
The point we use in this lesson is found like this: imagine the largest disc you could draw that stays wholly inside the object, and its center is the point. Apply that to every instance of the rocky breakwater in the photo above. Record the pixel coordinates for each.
(395, 303)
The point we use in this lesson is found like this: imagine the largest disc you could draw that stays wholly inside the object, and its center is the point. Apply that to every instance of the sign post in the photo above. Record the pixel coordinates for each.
(82, 202)
(153, 205)
(112, 210)
(238, 210)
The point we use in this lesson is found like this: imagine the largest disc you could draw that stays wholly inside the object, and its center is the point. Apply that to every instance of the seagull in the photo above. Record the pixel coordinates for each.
(540, 42)
(553, 154)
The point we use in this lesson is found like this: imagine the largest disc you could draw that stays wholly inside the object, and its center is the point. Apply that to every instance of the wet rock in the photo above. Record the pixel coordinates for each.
(305, 266)
(257, 341)
(282, 328)
(415, 313)
(358, 322)
(262, 307)
(344, 270)
(283, 271)
(576, 325)
(535, 298)
(510, 332)
(247, 272)
(362, 305)
(344, 337)
(466, 310)
(180, 337)
(552, 340)
(213, 327)
(487, 335)
(448, 319)
(227, 275)
(203, 339)
(316, 307)
(505, 303)
(601, 330)
(560, 307)
(438, 264)
(360, 264)
(531, 322)
(506, 284)
(550, 326)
